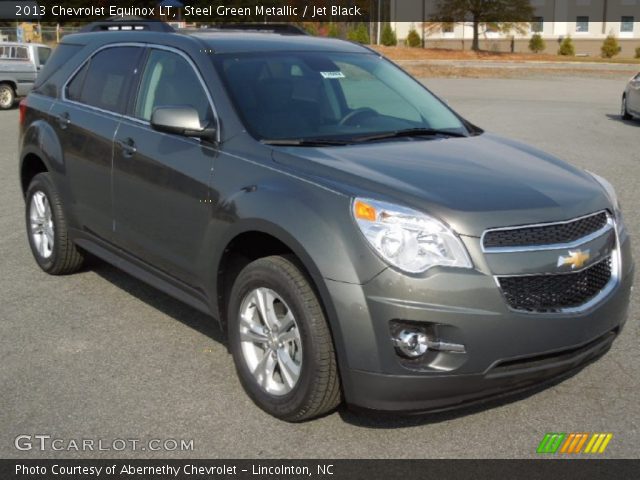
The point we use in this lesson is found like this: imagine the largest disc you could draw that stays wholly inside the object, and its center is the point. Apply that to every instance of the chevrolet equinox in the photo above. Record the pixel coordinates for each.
(355, 238)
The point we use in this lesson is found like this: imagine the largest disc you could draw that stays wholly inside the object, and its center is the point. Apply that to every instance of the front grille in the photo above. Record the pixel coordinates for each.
(549, 293)
(557, 233)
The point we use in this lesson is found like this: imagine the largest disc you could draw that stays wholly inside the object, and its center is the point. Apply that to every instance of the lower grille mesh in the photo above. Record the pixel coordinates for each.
(549, 293)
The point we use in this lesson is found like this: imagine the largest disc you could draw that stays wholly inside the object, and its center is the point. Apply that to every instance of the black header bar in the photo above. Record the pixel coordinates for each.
(416, 11)
(543, 469)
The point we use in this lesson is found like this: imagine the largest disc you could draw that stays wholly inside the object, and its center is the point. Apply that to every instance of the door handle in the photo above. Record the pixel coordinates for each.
(128, 146)
(63, 120)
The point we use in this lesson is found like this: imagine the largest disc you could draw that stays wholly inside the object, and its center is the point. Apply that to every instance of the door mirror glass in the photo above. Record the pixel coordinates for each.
(181, 121)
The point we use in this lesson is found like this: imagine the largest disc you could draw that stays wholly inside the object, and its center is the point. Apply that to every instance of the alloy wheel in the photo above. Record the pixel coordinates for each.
(42, 228)
(270, 341)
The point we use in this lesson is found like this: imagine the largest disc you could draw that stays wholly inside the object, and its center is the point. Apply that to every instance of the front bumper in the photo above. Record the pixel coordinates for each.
(411, 393)
(506, 351)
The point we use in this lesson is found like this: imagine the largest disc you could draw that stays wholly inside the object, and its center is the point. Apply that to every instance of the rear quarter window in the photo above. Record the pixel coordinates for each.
(59, 57)
(74, 88)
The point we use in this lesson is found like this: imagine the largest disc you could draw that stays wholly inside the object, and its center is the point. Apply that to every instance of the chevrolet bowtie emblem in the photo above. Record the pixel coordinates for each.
(576, 258)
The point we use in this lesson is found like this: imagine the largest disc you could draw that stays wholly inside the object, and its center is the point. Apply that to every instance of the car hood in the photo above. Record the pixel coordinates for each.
(472, 183)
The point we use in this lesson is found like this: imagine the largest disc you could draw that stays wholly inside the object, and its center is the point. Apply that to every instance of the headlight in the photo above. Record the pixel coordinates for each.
(407, 239)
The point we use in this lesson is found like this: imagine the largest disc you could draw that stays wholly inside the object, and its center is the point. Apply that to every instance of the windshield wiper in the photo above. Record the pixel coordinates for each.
(299, 142)
(410, 132)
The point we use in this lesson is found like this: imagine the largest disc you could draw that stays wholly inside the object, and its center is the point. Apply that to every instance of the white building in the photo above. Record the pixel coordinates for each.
(588, 22)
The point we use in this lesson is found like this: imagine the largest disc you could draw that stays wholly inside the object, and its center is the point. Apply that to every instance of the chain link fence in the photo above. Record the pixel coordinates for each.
(47, 35)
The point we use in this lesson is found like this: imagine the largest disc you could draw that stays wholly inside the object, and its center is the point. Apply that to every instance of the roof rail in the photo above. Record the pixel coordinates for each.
(284, 28)
(120, 24)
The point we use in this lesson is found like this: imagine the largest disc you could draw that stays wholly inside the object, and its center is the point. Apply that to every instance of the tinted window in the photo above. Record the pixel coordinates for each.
(169, 80)
(59, 57)
(109, 77)
(582, 24)
(74, 88)
(43, 55)
(626, 24)
(537, 25)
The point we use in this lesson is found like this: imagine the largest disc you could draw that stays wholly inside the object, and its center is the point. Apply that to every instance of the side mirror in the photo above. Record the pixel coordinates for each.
(183, 121)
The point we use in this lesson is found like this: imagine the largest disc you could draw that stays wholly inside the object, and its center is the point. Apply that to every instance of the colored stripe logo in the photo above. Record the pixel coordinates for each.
(573, 443)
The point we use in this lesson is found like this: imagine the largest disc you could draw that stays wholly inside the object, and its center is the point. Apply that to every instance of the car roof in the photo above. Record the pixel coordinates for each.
(222, 41)
(234, 42)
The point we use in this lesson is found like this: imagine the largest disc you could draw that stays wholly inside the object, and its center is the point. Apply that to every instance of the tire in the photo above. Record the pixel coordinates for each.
(623, 109)
(47, 229)
(301, 341)
(7, 96)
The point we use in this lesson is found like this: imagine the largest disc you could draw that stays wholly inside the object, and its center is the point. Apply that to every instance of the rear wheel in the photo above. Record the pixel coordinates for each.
(47, 230)
(623, 109)
(280, 341)
(7, 96)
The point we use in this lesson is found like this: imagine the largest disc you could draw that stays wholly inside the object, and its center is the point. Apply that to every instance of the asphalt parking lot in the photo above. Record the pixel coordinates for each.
(101, 355)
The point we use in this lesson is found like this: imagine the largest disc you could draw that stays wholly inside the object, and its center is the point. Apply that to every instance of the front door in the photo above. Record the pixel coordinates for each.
(161, 181)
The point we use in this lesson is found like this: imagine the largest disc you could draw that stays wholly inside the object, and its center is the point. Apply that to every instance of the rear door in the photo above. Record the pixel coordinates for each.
(86, 120)
(161, 181)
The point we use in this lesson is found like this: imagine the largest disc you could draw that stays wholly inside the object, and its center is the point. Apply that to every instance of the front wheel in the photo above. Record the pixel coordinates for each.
(623, 109)
(7, 96)
(280, 341)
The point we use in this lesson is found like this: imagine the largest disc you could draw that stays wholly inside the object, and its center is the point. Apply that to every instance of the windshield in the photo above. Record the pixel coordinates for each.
(328, 95)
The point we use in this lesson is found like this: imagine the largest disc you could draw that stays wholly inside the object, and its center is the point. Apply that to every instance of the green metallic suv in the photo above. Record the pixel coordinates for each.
(356, 239)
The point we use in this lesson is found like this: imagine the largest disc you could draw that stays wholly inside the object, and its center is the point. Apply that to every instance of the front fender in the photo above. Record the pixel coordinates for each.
(314, 222)
(316, 226)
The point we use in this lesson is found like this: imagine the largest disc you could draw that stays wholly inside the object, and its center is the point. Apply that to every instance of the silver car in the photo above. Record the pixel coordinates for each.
(631, 99)
(19, 66)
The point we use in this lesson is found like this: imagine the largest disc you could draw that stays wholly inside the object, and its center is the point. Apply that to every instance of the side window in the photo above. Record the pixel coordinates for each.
(13, 52)
(74, 87)
(43, 55)
(21, 53)
(169, 80)
(59, 57)
(105, 80)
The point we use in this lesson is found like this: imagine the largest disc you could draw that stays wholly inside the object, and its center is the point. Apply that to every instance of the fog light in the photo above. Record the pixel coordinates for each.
(411, 343)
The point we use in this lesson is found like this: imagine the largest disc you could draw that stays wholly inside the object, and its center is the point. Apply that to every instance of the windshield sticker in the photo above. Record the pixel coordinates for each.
(331, 75)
